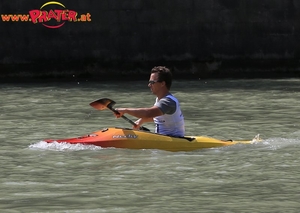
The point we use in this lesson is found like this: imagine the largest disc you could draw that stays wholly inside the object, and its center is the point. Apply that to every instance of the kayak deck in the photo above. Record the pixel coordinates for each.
(135, 139)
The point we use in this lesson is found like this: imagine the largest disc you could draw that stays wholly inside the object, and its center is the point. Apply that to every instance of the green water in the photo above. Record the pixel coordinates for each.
(40, 177)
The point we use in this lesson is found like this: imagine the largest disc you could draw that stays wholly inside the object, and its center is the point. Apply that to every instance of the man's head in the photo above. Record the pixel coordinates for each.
(164, 74)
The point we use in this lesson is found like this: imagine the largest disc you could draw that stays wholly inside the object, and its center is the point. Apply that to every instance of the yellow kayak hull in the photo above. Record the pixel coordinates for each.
(134, 139)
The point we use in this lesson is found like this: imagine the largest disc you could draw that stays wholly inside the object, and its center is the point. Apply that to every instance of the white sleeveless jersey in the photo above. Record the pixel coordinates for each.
(172, 125)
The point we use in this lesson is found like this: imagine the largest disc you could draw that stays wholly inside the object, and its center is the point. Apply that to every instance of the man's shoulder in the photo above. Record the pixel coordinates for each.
(167, 105)
(169, 99)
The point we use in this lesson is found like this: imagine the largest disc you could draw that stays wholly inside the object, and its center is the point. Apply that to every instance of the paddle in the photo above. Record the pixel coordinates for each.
(105, 103)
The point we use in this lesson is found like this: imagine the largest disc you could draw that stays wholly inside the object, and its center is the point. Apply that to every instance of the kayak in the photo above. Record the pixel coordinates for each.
(139, 139)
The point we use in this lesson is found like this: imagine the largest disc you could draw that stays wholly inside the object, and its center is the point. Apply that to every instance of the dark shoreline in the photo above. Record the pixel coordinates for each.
(56, 71)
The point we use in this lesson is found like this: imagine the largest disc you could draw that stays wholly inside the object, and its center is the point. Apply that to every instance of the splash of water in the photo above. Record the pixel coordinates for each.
(55, 146)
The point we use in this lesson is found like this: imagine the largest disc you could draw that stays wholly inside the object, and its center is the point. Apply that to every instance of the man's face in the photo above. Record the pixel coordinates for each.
(154, 84)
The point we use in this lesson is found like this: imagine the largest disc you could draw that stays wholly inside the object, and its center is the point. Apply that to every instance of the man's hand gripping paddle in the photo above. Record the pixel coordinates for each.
(106, 103)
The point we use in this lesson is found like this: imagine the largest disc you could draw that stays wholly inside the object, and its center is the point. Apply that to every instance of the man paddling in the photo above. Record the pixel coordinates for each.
(166, 112)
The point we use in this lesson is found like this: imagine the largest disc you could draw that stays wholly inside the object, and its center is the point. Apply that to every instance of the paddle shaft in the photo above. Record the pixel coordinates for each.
(106, 103)
(123, 116)
(127, 119)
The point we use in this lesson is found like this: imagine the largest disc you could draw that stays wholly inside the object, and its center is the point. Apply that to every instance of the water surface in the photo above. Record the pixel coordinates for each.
(262, 177)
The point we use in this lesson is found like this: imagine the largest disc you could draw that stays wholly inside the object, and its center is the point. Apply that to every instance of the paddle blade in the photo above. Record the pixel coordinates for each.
(103, 103)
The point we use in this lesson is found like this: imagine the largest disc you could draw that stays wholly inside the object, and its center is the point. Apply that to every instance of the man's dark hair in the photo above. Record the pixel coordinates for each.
(164, 74)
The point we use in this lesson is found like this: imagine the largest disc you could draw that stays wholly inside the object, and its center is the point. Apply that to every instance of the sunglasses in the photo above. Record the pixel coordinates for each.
(153, 82)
